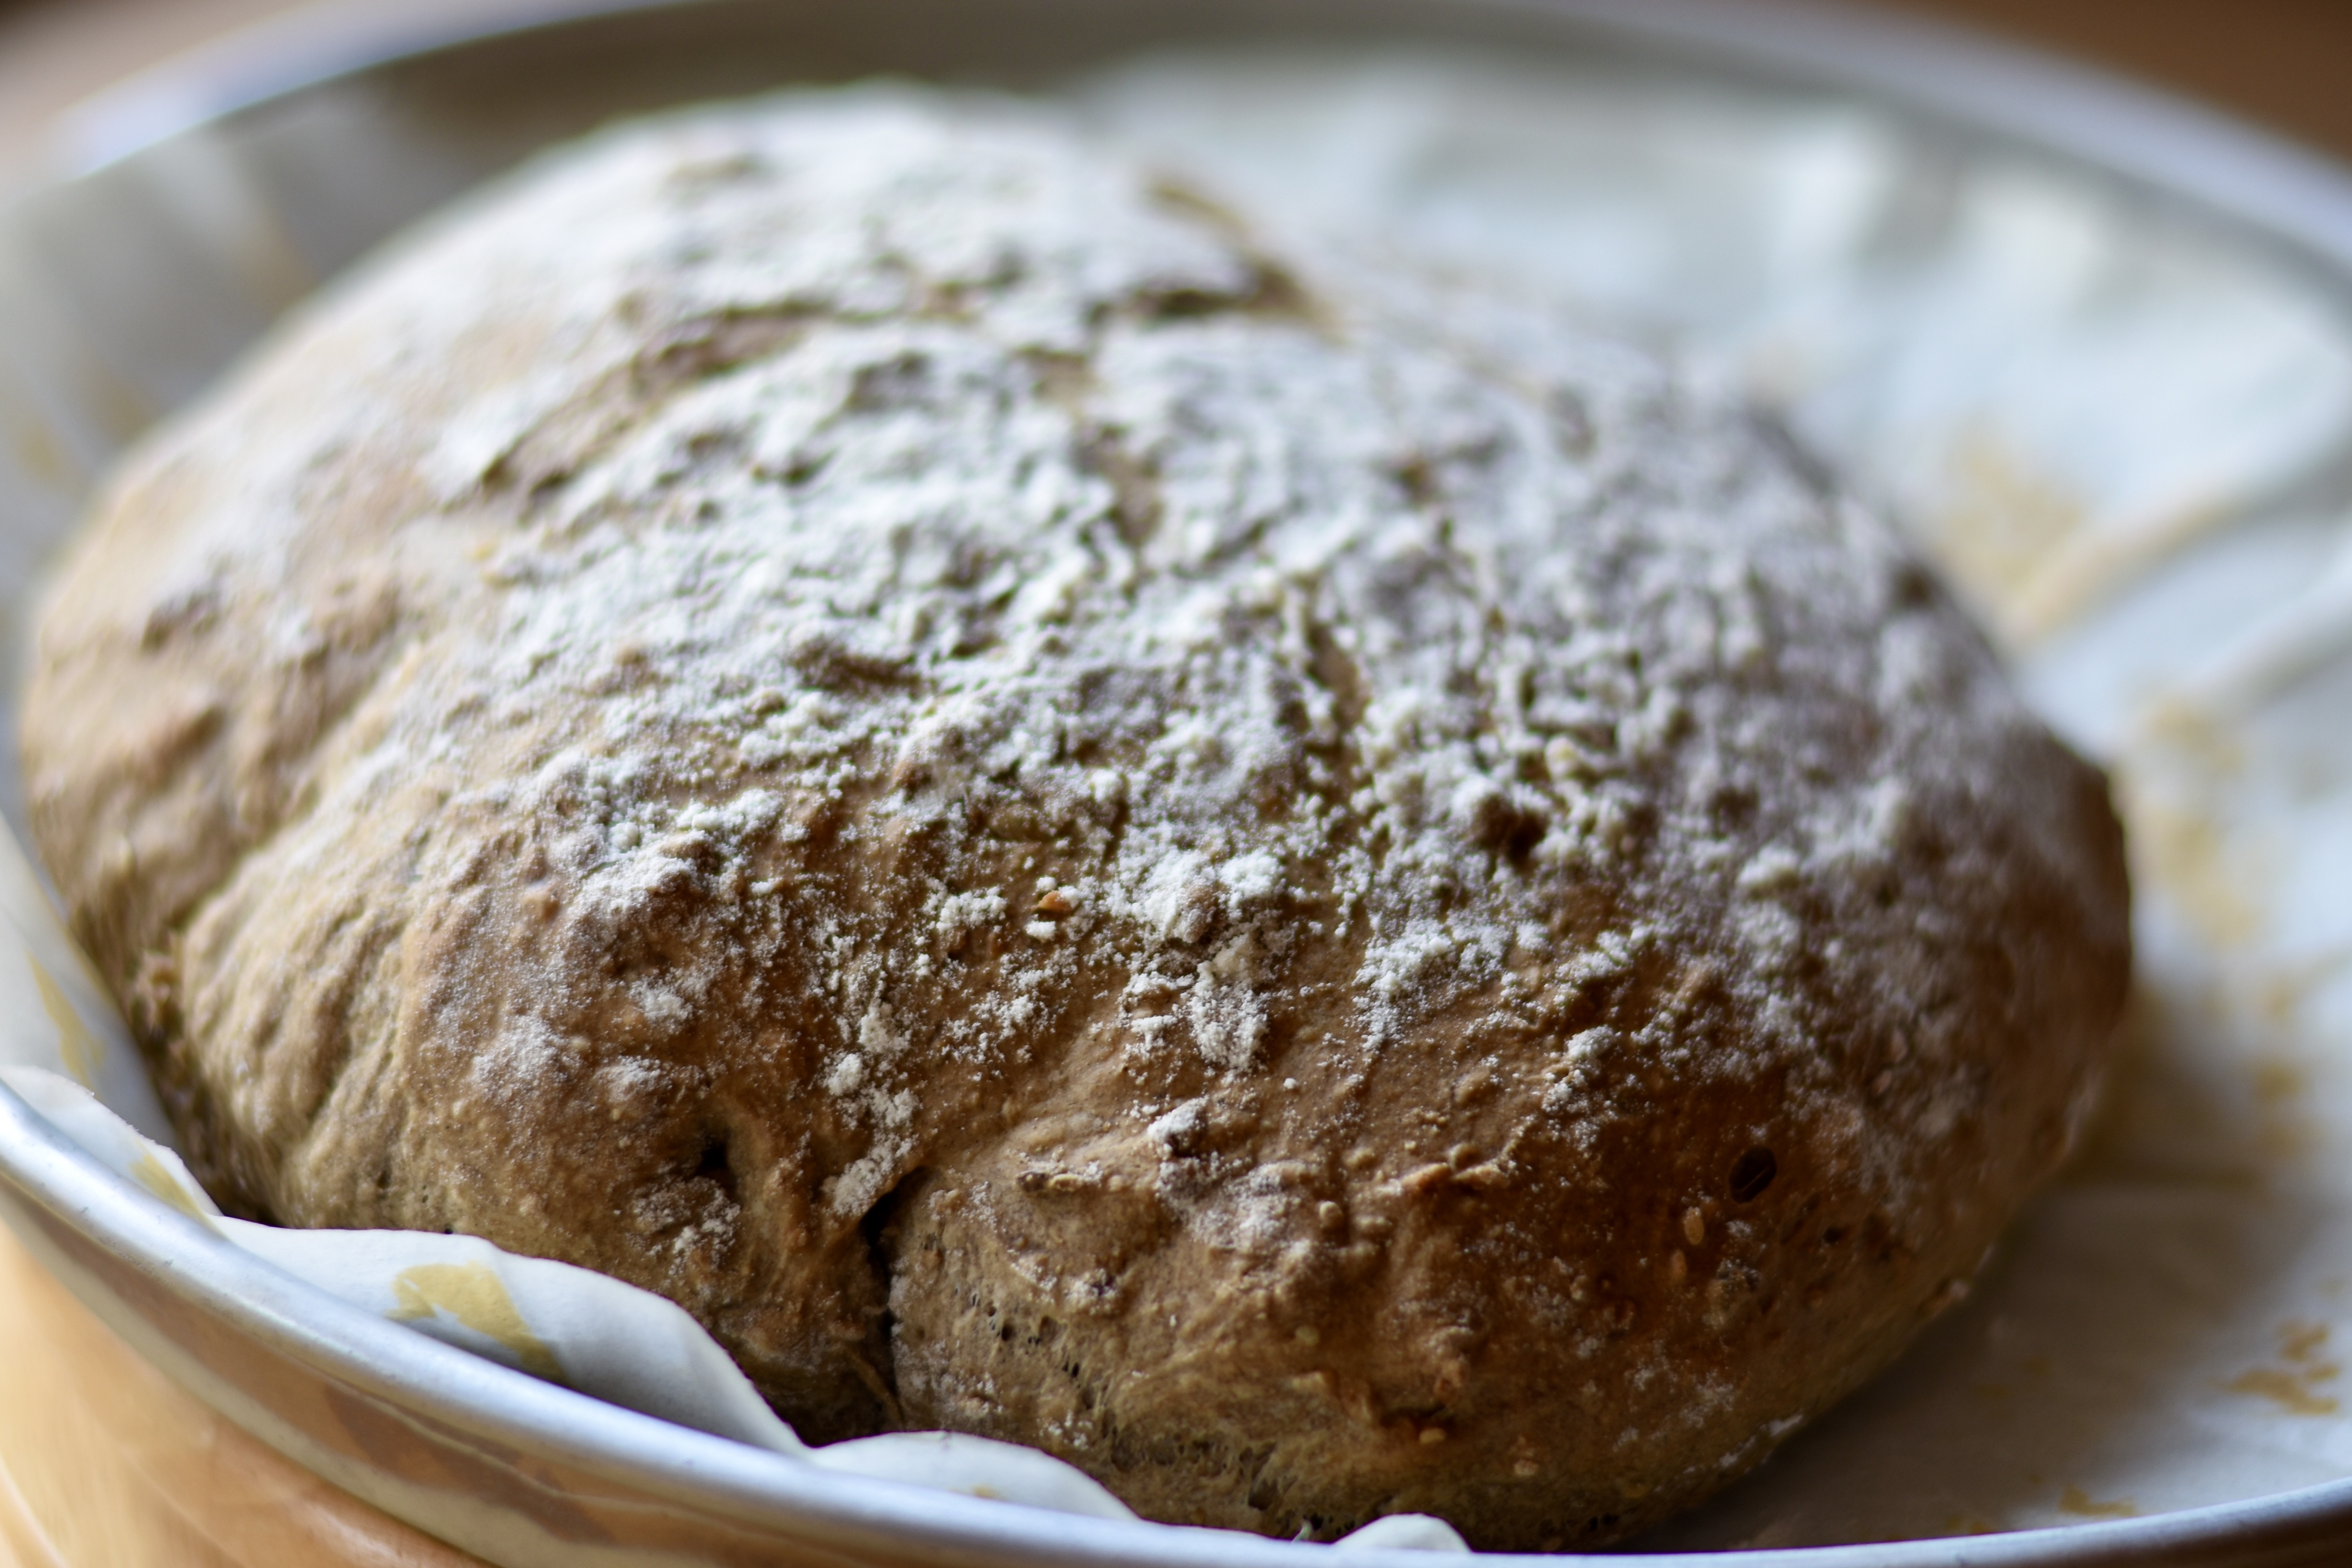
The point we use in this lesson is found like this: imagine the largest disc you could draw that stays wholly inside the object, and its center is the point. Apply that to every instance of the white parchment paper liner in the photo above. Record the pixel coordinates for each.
(2125, 434)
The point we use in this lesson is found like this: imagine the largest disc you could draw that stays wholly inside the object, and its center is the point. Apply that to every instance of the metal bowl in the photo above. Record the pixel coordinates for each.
(522, 1472)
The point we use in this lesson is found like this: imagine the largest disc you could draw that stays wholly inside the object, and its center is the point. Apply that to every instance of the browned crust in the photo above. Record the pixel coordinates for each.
(1552, 1251)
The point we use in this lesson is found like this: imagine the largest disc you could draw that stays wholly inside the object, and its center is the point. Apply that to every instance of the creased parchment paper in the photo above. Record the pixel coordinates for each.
(2127, 436)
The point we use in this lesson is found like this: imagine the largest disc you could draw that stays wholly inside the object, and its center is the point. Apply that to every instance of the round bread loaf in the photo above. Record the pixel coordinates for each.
(1320, 895)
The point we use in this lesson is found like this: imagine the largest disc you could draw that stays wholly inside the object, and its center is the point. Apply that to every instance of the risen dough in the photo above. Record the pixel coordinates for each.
(1321, 897)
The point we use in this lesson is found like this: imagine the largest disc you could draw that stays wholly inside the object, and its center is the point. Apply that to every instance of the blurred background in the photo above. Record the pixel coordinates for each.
(2282, 62)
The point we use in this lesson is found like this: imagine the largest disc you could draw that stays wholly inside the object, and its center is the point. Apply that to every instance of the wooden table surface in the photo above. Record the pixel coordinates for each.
(107, 1463)
(2283, 62)
(210, 1497)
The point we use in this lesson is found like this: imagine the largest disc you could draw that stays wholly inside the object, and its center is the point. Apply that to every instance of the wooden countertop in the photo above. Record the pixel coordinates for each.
(2282, 62)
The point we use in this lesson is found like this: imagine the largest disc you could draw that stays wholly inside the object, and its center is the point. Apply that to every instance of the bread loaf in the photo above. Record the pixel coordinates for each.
(1320, 892)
